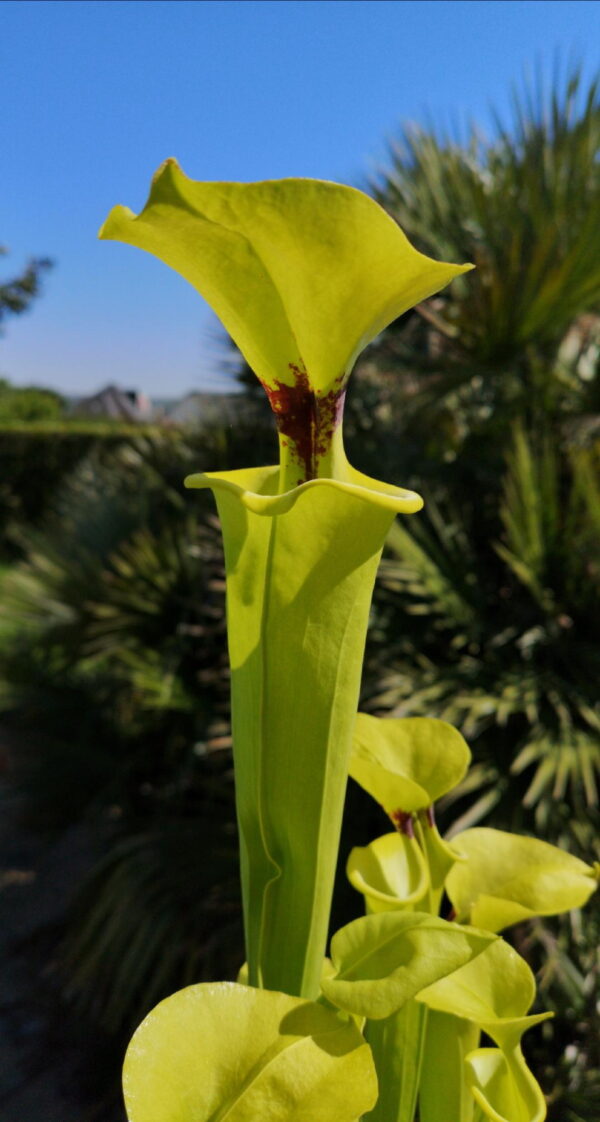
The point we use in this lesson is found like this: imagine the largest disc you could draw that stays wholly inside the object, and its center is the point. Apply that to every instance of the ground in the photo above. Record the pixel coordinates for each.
(42, 1078)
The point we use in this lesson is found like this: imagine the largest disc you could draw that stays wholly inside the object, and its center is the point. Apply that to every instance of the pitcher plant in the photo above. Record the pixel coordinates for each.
(303, 275)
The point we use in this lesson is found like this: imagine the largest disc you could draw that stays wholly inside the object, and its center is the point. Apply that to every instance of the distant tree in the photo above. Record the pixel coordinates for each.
(28, 403)
(25, 403)
(16, 294)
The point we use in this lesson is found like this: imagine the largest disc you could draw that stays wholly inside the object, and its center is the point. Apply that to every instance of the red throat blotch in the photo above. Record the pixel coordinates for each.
(305, 419)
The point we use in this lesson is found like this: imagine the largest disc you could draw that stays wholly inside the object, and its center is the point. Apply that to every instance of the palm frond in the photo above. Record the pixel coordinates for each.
(524, 207)
(159, 912)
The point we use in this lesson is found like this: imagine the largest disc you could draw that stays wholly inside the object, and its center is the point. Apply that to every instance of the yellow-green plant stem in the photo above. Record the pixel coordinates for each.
(445, 1094)
(397, 1044)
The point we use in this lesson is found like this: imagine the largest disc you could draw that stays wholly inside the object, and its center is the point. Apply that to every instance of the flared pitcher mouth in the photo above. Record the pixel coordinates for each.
(256, 489)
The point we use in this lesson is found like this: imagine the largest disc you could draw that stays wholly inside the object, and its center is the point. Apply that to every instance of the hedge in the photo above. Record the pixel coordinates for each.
(37, 456)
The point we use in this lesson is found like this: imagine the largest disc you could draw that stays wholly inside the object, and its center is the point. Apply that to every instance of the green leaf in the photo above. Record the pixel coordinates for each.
(407, 763)
(507, 878)
(493, 990)
(221, 1050)
(383, 960)
(390, 873)
(301, 272)
(503, 1086)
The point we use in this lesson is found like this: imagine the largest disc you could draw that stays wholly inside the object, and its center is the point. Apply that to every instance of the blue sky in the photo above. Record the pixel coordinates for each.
(96, 94)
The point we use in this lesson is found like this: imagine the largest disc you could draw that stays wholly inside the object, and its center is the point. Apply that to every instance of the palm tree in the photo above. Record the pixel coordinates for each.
(496, 589)
(488, 606)
(520, 336)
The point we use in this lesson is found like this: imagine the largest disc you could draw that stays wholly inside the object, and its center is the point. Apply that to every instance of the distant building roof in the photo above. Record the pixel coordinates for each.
(209, 408)
(116, 404)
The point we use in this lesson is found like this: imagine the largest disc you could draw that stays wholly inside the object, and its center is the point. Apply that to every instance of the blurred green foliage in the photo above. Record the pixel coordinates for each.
(492, 609)
(497, 632)
(28, 403)
(36, 455)
(113, 670)
(488, 606)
